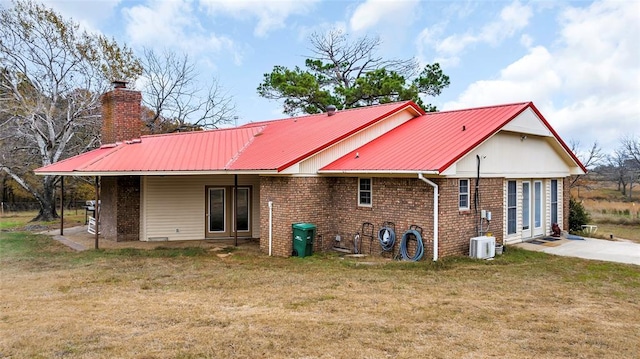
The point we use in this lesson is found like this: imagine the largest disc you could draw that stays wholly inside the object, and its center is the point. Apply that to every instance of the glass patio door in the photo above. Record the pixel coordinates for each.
(532, 203)
(526, 209)
(220, 212)
(217, 212)
(537, 209)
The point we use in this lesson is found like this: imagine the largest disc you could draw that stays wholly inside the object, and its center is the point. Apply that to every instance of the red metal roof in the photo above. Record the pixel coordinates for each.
(191, 151)
(271, 145)
(286, 142)
(434, 141)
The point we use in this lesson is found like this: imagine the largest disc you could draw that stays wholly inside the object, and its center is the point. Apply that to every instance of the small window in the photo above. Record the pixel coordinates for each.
(463, 195)
(364, 192)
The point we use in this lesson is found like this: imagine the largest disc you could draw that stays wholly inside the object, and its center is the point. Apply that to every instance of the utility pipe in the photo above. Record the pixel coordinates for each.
(435, 214)
(270, 226)
(62, 205)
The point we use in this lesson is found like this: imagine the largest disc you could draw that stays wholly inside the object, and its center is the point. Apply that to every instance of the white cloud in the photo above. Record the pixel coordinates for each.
(174, 24)
(512, 19)
(587, 85)
(531, 77)
(270, 15)
(373, 12)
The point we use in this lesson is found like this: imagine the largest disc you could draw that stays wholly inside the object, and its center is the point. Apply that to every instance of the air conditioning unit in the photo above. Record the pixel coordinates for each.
(482, 247)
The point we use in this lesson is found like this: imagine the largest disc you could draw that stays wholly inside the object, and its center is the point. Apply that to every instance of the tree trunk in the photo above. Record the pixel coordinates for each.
(47, 200)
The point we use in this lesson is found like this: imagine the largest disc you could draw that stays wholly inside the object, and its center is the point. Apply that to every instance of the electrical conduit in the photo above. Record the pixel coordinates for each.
(435, 214)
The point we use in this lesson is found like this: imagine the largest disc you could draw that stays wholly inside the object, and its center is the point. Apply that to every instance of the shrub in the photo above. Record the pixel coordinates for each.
(577, 215)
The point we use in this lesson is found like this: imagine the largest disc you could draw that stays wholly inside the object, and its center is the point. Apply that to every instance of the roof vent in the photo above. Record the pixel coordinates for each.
(119, 84)
(331, 110)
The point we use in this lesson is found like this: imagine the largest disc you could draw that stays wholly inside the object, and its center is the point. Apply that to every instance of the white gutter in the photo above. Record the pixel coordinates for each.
(394, 172)
(270, 226)
(435, 214)
(154, 173)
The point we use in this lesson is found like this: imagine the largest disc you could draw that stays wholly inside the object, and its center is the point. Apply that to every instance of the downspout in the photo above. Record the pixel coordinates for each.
(435, 214)
(270, 226)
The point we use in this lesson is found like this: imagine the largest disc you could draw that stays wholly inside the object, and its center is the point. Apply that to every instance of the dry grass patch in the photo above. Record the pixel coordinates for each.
(173, 303)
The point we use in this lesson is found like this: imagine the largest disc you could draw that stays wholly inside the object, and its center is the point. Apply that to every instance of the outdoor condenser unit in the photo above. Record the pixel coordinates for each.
(482, 247)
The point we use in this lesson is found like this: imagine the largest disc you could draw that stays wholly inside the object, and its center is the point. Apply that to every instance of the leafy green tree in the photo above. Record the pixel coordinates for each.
(51, 78)
(578, 215)
(350, 74)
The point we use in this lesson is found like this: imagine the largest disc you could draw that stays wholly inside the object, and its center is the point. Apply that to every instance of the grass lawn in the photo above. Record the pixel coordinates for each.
(190, 303)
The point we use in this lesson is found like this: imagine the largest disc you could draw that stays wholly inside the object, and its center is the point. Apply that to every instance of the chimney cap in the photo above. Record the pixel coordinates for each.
(119, 84)
(331, 110)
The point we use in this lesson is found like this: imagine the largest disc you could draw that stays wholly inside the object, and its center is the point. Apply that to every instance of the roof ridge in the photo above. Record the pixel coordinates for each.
(240, 151)
(191, 132)
(481, 107)
(112, 150)
(250, 124)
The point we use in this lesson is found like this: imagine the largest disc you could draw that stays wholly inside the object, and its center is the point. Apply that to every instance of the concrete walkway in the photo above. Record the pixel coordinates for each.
(591, 248)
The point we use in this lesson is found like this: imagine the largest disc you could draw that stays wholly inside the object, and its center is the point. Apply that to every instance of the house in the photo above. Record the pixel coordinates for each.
(441, 171)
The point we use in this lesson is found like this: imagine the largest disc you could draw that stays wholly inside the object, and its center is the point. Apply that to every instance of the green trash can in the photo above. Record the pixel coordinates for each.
(303, 236)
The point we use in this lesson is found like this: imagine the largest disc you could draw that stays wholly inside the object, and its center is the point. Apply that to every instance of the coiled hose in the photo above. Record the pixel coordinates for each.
(387, 238)
(419, 246)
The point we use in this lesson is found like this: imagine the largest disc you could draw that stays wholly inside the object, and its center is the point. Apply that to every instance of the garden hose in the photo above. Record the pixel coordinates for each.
(419, 246)
(387, 238)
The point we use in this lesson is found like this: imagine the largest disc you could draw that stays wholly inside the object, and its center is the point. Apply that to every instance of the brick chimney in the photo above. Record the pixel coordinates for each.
(121, 114)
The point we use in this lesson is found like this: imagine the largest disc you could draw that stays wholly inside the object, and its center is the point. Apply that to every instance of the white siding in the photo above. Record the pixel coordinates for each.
(528, 123)
(506, 154)
(323, 158)
(173, 207)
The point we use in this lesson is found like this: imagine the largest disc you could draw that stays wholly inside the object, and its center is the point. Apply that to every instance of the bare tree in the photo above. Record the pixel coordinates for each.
(631, 144)
(173, 92)
(349, 61)
(619, 171)
(589, 159)
(51, 76)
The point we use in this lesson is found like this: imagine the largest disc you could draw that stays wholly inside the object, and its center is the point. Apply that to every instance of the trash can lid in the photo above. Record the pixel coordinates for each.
(303, 226)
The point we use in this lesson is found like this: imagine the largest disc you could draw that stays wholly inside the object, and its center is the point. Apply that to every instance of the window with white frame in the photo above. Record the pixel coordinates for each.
(364, 192)
(463, 194)
(511, 207)
(554, 201)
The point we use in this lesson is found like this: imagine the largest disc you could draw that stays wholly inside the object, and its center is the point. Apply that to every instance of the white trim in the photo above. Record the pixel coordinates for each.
(468, 194)
(364, 172)
(370, 204)
(157, 173)
(224, 209)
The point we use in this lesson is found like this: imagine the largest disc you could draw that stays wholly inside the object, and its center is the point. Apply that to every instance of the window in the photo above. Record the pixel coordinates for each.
(526, 205)
(511, 207)
(463, 194)
(554, 201)
(364, 192)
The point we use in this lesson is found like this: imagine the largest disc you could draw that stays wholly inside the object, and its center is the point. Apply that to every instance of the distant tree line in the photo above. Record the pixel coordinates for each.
(621, 167)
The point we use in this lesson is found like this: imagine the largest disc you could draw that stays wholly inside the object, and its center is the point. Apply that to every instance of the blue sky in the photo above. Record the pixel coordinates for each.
(578, 61)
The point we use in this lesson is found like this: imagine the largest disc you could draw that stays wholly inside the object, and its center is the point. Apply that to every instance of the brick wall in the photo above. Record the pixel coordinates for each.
(403, 201)
(121, 115)
(331, 204)
(120, 213)
(295, 199)
(457, 227)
